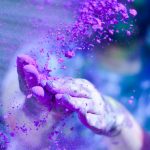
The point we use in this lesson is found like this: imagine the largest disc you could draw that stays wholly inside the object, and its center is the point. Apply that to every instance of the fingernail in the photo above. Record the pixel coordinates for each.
(38, 91)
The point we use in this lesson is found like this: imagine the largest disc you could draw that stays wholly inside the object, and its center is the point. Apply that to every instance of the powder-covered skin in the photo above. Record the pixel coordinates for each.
(75, 95)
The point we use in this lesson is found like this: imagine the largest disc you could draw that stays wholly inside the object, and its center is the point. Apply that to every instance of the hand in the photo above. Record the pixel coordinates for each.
(80, 96)
(75, 95)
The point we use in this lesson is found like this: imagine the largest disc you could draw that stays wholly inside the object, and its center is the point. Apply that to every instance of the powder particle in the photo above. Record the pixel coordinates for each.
(69, 54)
(133, 12)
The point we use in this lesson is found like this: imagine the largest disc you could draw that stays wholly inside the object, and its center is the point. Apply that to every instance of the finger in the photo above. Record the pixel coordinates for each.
(94, 122)
(73, 103)
(67, 86)
(39, 93)
(31, 75)
(82, 105)
(23, 60)
(88, 87)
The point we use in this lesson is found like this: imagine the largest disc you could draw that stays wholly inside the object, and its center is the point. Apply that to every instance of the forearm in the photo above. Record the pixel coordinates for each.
(130, 135)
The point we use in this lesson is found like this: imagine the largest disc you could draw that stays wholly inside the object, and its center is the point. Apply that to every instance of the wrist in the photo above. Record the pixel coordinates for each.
(115, 117)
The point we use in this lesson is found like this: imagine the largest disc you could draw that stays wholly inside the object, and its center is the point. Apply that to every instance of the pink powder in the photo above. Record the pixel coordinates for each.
(133, 12)
(69, 54)
(94, 17)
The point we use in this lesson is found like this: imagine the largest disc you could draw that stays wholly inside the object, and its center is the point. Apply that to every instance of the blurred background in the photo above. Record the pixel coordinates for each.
(121, 69)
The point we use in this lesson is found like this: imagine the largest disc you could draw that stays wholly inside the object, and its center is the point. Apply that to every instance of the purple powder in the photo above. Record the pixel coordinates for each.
(95, 21)
(133, 12)
(93, 17)
(69, 54)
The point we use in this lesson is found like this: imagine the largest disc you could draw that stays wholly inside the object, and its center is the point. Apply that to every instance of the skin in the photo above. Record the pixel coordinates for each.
(52, 96)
